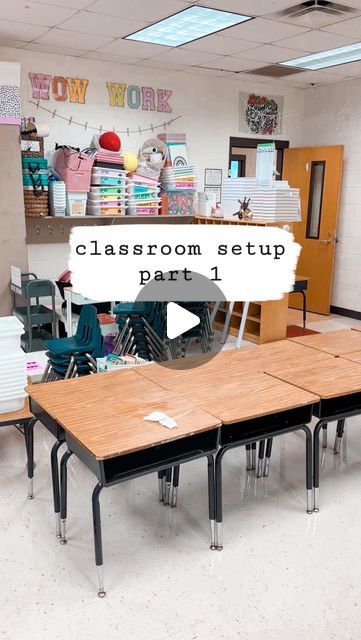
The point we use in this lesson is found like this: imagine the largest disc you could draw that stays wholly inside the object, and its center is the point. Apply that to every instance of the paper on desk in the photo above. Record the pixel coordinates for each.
(162, 418)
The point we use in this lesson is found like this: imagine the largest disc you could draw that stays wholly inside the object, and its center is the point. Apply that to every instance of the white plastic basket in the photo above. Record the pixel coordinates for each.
(13, 403)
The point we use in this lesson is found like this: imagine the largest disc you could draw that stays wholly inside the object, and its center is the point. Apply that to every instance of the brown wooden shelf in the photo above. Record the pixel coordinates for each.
(56, 229)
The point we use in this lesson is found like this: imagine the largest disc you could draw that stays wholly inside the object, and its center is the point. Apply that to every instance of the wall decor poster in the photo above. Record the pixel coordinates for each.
(10, 109)
(260, 114)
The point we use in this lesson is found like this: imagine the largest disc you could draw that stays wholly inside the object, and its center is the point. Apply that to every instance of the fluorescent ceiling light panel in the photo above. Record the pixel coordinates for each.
(187, 25)
(324, 59)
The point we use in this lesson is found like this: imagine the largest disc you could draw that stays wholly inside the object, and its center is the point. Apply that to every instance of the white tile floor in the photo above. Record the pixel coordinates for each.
(282, 573)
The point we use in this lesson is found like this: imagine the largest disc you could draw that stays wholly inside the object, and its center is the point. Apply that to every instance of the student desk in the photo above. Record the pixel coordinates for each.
(103, 420)
(252, 408)
(355, 356)
(337, 382)
(25, 419)
(335, 343)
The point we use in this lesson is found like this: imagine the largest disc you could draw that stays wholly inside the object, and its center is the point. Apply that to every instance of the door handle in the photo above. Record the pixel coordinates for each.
(328, 241)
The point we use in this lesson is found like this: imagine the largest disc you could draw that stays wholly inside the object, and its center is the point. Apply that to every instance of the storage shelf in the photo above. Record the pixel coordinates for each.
(56, 229)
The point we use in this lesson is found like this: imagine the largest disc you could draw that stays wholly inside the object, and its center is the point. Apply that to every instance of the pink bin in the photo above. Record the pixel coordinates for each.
(74, 168)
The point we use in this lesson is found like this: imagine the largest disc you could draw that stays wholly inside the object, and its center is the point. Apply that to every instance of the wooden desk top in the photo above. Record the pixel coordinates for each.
(105, 412)
(230, 366)
(17, 416)
(253, 394)
(355, 356)
(334, 342)
(328, 379)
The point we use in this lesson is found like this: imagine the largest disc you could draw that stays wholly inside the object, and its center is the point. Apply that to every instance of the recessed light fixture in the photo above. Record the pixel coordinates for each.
(324, 59)
(187, 25)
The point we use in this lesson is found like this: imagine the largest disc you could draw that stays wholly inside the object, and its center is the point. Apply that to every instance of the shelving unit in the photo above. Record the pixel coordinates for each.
(57, 228)
(266, 321)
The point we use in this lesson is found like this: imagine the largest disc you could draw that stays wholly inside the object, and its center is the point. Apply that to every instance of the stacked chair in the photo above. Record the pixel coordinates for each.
(201, 334)
(76, 356)
(142, 330)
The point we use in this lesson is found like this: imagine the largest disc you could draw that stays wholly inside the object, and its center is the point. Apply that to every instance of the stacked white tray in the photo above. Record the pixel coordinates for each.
(276, 205)
(13, 378)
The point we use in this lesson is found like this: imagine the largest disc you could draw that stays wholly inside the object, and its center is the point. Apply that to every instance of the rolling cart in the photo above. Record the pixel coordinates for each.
(34, 316)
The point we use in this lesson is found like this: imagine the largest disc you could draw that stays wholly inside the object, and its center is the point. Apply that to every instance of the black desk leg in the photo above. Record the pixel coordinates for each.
(261, 447)
(56, 485)
(219, 514)
(29, 445)
(212, 500)
(248, 457)
(339, 434)
(316, 464)
(268, 457)
(254, 452)
(98, 546)
(161, 474)
(309, 485)
(64, 493)
(175, 483)
(168, 482)
(324, 436)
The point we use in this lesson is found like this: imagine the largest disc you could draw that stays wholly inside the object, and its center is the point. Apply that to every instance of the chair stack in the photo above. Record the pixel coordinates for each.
(76, 356)
(12, 366)
(202, 334)
(142, 330)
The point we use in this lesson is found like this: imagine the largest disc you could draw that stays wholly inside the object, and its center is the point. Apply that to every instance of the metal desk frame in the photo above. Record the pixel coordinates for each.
(247, 432)
(26, 427)
(331, 410)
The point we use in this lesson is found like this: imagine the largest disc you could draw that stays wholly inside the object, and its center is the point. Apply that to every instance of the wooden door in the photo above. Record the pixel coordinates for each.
(317, 172)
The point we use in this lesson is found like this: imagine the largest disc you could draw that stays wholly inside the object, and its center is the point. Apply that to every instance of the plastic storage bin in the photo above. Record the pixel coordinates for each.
(76, 203)
(13, 377)
(10, 331)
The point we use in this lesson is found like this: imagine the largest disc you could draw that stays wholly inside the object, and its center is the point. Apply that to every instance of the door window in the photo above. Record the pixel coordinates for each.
(315, 197)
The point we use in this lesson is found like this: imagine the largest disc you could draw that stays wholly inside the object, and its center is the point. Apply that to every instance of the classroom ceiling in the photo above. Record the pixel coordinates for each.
(94, 29)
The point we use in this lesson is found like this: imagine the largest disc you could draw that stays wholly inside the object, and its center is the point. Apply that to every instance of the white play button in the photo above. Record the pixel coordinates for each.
(179, 320)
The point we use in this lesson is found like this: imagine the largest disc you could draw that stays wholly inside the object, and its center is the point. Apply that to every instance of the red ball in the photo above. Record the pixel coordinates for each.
(110, 141)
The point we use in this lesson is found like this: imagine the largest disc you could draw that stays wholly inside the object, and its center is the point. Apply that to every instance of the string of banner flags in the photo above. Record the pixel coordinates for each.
(54, 113)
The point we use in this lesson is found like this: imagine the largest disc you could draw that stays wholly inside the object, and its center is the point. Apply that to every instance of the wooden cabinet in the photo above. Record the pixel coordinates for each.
(266, 321)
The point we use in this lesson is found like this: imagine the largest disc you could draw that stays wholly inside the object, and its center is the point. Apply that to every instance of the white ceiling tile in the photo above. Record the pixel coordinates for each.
(132, 49)
(14, 44)
(20, 31)
(103, 25)
(220, 45)
(73, 40)
(250, 7)
(315, 41)
(107, 57)
(270, 53)
(179, 55)
(351, 28)
(154, 64)
(313, 77)
(229, 63)
(277, 83)
(34, 13)
(49, 48)
(70, 4)
(148, 10)
(350, 70)
(263, 31)
(204, 71)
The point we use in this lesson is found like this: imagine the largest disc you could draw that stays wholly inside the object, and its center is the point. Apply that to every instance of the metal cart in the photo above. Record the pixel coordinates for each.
(34, 316)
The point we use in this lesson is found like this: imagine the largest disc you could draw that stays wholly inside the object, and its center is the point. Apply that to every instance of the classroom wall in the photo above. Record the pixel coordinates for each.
(333, 116)
(208, 106)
